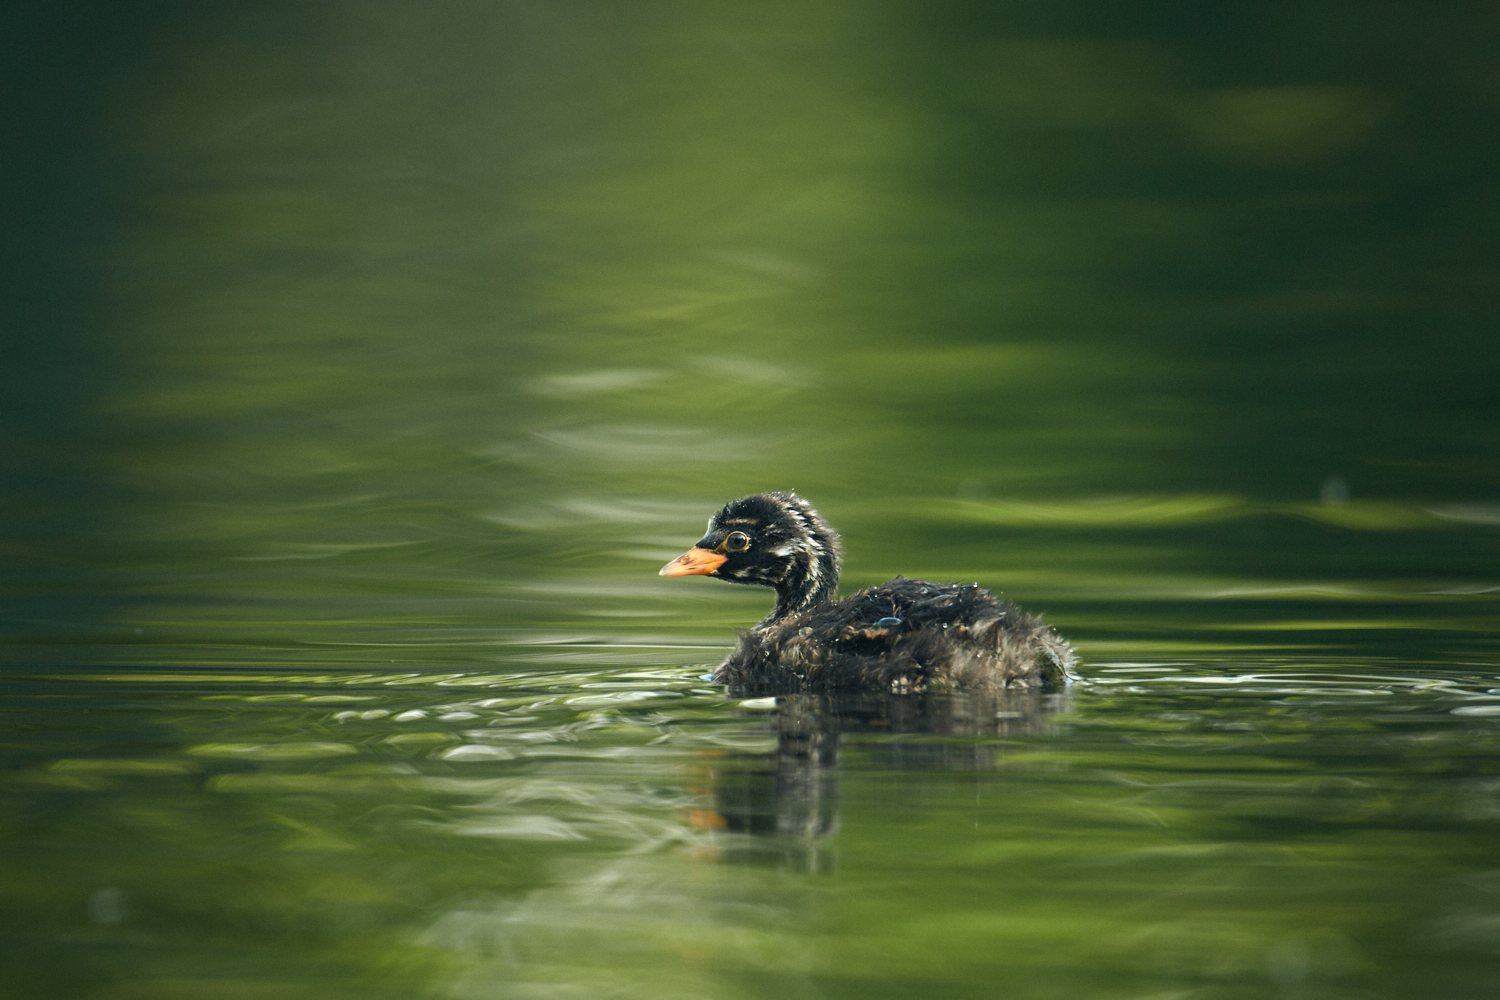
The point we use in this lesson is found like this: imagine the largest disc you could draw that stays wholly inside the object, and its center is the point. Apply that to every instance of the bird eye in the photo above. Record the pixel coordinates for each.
(737, 541)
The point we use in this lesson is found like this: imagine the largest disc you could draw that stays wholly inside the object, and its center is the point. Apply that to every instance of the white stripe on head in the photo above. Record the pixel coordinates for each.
(802, 514)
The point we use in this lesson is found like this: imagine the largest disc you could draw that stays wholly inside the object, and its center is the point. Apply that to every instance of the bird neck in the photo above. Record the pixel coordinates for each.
(809, 581)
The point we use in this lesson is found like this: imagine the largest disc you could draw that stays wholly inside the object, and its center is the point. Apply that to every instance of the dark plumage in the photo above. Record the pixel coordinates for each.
(904, 636)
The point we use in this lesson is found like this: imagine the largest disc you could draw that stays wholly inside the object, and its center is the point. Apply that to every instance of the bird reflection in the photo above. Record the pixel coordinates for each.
(785, 804)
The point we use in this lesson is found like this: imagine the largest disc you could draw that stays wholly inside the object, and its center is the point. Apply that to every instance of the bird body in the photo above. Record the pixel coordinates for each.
(904, 636)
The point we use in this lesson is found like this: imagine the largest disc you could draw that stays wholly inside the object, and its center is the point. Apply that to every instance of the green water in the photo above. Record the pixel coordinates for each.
(364, 362)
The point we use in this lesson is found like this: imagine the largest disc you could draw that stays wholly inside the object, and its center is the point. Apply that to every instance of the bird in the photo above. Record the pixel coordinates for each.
(901, 637)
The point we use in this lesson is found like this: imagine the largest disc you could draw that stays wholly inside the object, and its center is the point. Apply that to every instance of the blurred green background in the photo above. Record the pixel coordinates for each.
(362, 362)
(329, 299)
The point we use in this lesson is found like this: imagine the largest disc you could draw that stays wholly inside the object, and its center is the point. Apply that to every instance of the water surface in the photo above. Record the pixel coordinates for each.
(371, 359)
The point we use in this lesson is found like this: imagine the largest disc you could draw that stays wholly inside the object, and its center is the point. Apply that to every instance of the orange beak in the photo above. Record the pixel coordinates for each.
(694, 562)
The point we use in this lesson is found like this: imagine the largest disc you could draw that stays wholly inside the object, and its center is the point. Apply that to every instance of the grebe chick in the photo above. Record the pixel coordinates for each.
(904, 636)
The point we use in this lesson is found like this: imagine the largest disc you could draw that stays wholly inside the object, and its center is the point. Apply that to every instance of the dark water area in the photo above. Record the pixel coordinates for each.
(366, 361)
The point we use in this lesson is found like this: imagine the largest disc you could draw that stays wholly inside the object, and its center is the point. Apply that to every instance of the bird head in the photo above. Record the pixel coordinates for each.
(770, 539)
